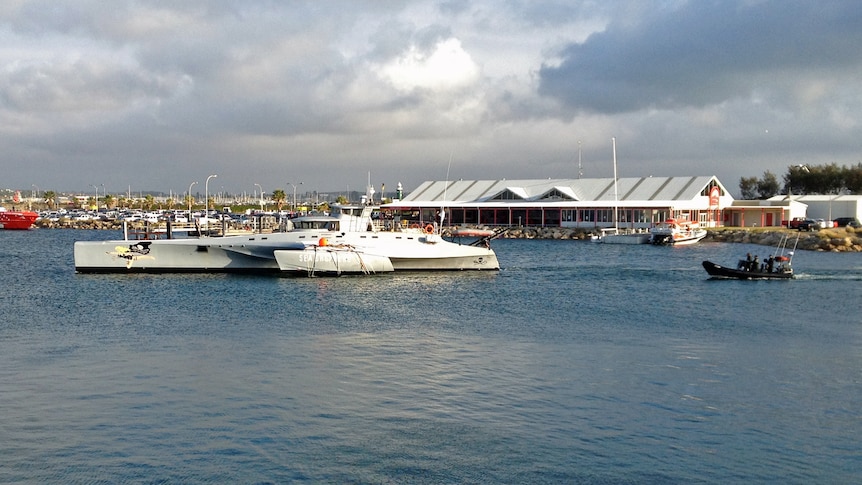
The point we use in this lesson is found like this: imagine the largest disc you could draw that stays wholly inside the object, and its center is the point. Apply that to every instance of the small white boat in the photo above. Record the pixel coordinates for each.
(615, 236)
(323, 259)
(676, 233)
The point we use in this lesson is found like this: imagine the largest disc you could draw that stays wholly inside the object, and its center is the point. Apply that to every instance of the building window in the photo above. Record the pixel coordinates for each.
(622, 215)
(706, 190)
(507, 195)
(604, 215)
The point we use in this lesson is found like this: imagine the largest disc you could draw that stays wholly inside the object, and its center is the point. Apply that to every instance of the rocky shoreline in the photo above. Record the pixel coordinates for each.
(833, 240)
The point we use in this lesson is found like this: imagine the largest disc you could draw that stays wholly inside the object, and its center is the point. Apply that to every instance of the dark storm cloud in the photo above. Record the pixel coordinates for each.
(702, 53)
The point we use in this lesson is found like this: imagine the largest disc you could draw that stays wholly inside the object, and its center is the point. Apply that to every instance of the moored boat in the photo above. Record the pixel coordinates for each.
(673, 232)
(615, 236)
(354, 227)
(17, 220)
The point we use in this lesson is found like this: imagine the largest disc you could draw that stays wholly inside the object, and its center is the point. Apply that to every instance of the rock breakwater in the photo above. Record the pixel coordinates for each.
(834, 240)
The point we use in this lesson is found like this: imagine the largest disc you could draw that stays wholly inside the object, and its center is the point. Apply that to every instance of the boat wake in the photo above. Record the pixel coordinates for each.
(829, 276)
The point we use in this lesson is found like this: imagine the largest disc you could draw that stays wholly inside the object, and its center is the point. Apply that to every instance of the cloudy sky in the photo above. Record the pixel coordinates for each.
(155, 95)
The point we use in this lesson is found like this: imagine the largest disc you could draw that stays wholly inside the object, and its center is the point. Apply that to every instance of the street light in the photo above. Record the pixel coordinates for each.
(207, 199)
(261, 195)
(294, 195)
(207, 192)
(190, 201)
(97, 196)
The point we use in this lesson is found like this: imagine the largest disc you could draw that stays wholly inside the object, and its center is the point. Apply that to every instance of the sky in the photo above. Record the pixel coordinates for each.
(136, 95)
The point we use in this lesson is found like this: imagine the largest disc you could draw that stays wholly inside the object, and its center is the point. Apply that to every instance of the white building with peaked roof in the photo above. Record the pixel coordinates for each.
(827, 207)
(638, 203)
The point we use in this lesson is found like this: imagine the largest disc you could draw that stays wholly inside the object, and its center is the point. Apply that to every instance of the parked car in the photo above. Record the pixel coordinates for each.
(847, 222)
(808, 225)
(794, 223)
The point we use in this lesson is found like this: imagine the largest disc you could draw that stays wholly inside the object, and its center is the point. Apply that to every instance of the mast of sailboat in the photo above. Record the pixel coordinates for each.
(616, 194)
(445, 189)
(580, 166)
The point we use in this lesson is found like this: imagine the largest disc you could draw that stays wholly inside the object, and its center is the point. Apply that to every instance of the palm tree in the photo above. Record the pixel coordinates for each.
(109, 201)
(50, 198)
(278, 196)
(149, 201)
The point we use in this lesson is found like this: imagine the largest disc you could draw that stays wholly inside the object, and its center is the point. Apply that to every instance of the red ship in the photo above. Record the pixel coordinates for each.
(17, 219)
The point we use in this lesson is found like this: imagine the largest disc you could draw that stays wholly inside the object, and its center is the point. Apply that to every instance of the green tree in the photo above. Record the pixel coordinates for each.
(768, 186)
(853, 179)
(279, 196)
(823, 179)
(50, 198)
(748, 187)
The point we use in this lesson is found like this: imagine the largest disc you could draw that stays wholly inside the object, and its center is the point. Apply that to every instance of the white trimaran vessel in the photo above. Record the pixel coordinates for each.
(349, 242)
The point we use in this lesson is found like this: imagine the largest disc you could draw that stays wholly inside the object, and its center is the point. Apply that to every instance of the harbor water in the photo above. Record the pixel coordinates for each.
(576, 363)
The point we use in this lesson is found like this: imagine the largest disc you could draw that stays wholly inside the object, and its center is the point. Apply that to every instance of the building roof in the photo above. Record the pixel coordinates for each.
(820, 198)
(600, 191)
(760, 203)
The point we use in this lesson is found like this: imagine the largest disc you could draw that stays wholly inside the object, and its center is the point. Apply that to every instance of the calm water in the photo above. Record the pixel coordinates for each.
(577, 363)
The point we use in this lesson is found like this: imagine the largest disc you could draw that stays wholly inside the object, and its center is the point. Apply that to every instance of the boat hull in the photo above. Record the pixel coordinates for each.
(661, 238)
(228, 254)
(17, 220)
(256, 253)
(331, 261)
(624, 239)
(719, 271)
(487, 262)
